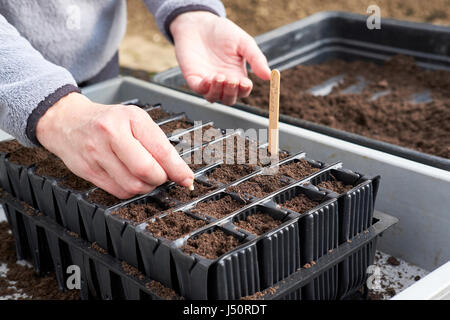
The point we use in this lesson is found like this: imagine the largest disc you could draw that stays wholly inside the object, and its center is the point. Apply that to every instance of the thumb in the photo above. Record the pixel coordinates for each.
(250, 51)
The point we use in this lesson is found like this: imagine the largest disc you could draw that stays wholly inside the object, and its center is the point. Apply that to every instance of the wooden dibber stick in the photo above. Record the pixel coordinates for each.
(274, 111)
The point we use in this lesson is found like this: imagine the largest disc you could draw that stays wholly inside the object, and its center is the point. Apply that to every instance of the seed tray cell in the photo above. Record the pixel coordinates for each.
(179, 139)
(278, 249)
(156, 252)
(122, 232)
(231, 276)
(357, 204)
(216, 196)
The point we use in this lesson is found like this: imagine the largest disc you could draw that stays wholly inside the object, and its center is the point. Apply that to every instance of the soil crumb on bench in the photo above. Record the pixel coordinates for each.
(183, 194)
(132, 271)
(100, 196)
(335, 185)
(260, 294)
(217, 208)
(96, 247)
(9, 146)
(298, 169)
(174, 225)
(258, 223)
(300, 204)
(158, 114)
(22, 280)
(211, 245)
(226, 173)
(259, 186)
(171, 126)
(139, 212)
(162, 291)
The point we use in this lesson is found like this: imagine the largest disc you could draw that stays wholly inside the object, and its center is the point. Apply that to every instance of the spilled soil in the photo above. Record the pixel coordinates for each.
(21, 279)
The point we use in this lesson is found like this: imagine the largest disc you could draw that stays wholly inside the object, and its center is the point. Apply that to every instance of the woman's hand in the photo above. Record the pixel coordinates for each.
(212, 52)
(118, 148)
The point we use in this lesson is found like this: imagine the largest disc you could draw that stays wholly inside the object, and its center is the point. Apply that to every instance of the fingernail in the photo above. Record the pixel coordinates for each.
(188, 182)
(220, 78)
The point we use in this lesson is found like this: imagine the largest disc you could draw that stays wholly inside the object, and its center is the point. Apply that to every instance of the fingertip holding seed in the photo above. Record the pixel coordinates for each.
(191, 187)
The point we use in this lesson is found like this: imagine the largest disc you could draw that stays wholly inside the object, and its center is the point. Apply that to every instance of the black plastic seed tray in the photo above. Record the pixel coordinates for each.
(340, 35)
(50, 247)
(357, 204)
(278, 251)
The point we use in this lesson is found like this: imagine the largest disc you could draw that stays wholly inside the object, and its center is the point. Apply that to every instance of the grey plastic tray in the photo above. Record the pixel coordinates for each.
(341, 35)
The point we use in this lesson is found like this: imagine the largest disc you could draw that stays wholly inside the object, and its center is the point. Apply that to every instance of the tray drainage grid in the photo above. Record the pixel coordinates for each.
(244, 231)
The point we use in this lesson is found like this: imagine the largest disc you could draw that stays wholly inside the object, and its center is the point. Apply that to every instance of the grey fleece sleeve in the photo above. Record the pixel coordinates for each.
(165, 11)
(29, 85)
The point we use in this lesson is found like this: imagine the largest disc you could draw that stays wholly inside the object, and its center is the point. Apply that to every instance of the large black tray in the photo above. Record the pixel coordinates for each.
(50, 247)
(340, 35)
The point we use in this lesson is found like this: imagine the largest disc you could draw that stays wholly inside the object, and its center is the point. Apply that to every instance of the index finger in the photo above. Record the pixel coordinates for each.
(155, 141)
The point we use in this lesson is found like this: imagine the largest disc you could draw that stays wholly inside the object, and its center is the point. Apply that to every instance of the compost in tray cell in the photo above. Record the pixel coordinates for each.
(300, 203)
(201, 133)
(259, 185)
(28, 156)
(158, 114)
(211, 244)
(174, 225)
(183, 194)
(9, 146)
(298, 169)
(139, 212)
(258, 223)
(218, 206)
(54, 167)
(227, 173)
(169, 127)
(335, 185)
(103, 198)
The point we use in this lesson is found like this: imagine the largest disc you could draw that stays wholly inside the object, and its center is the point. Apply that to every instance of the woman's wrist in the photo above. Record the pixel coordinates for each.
(183, 22)
(54, 118)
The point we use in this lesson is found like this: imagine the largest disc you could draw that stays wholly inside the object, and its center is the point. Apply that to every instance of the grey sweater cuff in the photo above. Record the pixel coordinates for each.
(43, 106)
(165, 11)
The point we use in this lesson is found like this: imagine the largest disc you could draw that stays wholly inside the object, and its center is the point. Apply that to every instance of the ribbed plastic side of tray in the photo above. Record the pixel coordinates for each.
(50, 248)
